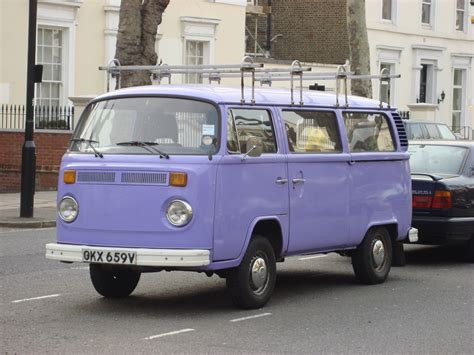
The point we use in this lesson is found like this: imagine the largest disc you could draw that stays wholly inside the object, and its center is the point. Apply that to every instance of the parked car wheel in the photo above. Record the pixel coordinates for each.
(372, 259)
(113, 282)
(251, 284)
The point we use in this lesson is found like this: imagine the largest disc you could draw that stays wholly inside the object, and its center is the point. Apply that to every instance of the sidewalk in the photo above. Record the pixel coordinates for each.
(44, 211)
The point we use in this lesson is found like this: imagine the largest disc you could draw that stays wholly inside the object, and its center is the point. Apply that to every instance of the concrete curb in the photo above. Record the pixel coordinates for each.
(24, 223)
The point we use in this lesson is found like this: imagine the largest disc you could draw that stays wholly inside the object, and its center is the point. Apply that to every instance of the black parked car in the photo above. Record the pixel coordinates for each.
(443, 192)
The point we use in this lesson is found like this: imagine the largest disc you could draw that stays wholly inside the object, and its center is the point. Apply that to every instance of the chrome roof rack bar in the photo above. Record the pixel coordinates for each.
(113, 72)
(214, 73)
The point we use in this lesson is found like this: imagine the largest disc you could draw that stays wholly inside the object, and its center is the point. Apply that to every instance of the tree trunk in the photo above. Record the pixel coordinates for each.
(358, 47)
(138, 25)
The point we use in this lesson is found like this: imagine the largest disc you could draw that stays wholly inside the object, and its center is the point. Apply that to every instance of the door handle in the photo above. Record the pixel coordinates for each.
(351, 162)
(281, 181)
(298, 181)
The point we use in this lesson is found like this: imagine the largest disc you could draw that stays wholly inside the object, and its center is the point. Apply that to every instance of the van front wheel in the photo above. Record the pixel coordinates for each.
(113, 282)
(251, 284)
(372, 259)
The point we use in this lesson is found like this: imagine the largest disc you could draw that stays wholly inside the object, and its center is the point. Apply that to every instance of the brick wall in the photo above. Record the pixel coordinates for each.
(50, 147)
(312, 31)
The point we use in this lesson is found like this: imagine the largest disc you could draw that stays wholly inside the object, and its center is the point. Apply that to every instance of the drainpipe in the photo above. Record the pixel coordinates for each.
(269, 28)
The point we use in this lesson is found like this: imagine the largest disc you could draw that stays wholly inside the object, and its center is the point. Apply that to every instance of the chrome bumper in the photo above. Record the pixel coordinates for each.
(145, 257)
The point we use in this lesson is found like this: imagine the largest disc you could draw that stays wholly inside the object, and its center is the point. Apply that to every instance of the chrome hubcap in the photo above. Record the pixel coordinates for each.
(259, 274)
(378, 253)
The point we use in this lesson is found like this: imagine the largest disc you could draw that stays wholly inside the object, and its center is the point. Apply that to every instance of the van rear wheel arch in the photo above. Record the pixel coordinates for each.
(270, 229)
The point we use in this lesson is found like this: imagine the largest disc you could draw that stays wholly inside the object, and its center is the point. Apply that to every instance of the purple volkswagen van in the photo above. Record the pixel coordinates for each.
(183, 177)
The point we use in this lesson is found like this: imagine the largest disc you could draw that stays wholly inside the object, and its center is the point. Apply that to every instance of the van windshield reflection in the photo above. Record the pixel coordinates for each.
(137, 125)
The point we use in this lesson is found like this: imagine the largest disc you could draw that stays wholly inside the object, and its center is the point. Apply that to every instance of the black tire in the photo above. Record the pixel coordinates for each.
(112, 281)
(372, 259)
(469, 251)
(398, 254)
(250, 290)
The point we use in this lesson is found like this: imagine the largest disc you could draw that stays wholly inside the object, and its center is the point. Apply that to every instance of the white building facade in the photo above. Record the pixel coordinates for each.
(431, 44)
(75, 37)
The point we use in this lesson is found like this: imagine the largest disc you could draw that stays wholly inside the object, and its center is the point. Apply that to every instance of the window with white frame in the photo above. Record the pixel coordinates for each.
(458, 94)
(49, 53)
(426, 92)
(460, 14)
(386, 87)
(387, 10)
(199, 36)
(426, 12)
(194, 55)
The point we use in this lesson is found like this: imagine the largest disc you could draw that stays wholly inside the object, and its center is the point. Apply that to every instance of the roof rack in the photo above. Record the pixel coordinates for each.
(214, 73)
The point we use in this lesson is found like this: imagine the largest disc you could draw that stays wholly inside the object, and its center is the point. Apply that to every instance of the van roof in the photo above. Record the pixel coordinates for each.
(232, 95)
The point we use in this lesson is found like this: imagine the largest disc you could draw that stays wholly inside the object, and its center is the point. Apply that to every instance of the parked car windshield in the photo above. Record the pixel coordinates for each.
(148, 125)
(437, 159)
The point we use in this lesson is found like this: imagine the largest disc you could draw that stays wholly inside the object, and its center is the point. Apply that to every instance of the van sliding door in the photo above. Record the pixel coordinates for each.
(318, 173)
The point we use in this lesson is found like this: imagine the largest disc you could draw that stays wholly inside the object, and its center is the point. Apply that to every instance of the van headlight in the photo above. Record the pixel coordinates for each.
(68, 209)
(179, 213)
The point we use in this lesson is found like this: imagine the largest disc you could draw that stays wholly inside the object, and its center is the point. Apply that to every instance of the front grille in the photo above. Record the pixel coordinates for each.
(95, 176)
(144, 178)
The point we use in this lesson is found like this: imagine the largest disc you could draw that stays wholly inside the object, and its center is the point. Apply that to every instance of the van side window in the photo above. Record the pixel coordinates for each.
(312, 131)
(254, 123)
(368, 132)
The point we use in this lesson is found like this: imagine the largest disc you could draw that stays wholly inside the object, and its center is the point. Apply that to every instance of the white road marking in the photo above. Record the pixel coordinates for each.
(170, 333)
(36, 298)
(312, 257)
(251, 317)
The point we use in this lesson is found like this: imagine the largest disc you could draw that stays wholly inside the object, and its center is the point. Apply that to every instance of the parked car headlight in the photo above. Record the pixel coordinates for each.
(68, 209)
(179, 213)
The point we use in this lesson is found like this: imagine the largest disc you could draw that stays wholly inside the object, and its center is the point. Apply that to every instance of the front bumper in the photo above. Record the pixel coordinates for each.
(443, 230)
(145, 257)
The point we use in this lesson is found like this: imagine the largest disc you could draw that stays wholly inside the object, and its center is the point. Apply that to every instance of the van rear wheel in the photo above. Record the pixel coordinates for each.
(113, 282)
(372, 259)
(251, 284)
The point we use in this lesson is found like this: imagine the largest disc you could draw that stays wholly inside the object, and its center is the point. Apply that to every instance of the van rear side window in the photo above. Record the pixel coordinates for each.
(312, 131)
(368, 132)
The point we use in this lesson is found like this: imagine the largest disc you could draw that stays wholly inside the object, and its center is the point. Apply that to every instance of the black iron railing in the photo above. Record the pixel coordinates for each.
(46, 117)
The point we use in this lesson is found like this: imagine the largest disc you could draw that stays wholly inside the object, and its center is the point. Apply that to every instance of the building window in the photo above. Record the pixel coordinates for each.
(194, 56)
(387, 13)
(460, 14)
(458, 94)
(426, 12)
(50, 55)
(426, 83)
(386, 87)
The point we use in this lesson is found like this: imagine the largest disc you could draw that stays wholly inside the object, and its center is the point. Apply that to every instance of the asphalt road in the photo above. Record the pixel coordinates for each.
(317, 307)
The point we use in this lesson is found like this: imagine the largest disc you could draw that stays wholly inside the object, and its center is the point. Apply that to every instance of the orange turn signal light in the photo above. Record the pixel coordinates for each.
(178, 179)
(69, 176)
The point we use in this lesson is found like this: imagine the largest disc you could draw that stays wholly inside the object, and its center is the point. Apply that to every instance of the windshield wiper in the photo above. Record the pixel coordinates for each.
(150, 146)
(90, 141)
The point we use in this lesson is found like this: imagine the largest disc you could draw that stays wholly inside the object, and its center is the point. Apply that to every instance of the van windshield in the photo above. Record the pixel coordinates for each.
(148, 125)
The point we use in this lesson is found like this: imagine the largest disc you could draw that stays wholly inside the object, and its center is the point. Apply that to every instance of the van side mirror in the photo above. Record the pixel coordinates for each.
(254, 147)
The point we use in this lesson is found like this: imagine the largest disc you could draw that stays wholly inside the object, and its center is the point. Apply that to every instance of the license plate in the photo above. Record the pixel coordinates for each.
(109, 257)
